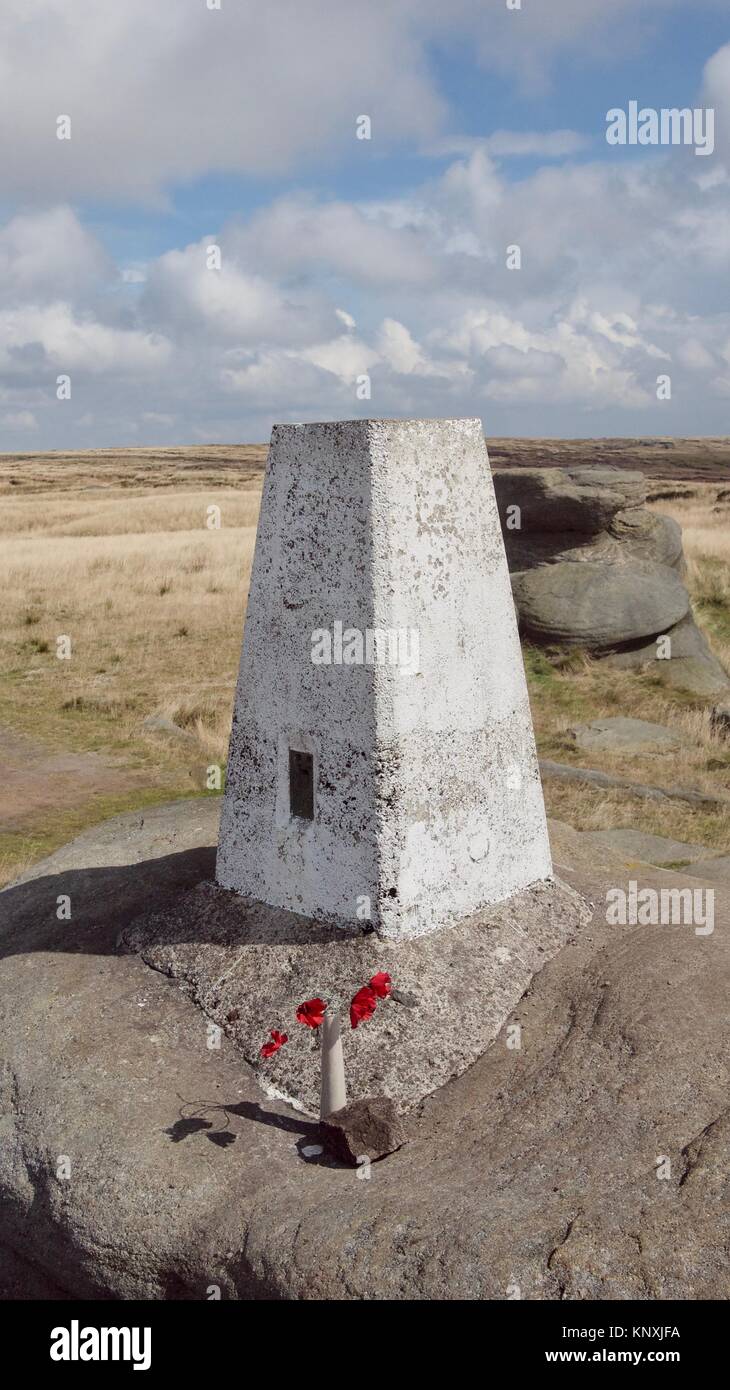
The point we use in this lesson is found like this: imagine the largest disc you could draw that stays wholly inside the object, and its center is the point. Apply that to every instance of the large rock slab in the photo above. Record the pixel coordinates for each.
(250, 966)
(635, 536)
(717, 870)
(648, 536)
(633, 845)
(582, 513)
(697, 675)
(593, 777)
(618, 734)
(584, 498)
(692, 665)
(598, 606)
(576, 536)
(537, 1168)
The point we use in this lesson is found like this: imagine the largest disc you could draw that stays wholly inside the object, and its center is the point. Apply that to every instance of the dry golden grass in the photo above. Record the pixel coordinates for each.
(588, 808)
(705, 521)
(587, 690)
(153, 603)
(113, 512)
(152, 616)
(218, 465)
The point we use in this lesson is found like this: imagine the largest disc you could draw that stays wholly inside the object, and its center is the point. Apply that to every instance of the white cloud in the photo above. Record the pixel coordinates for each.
(693, 355)
(285, 383)
(235, 303)
(69, 343)
(544, 144)
(19, 420)
(341, 238)
(170, 90)
(158, 417)
(344, 357)
(617, 328)
(716, 93)
(50, 253)
(624, 262)
(526, 41)
(161, 92)
(571, 359)
(407, 358)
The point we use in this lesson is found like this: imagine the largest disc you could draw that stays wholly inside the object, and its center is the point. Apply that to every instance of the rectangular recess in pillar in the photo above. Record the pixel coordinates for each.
(301, 784)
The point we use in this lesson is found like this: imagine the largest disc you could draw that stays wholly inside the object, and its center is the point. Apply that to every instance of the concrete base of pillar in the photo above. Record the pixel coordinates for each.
(249, 966)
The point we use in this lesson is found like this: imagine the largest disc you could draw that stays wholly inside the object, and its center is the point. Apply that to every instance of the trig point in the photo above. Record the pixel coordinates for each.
(382, 768)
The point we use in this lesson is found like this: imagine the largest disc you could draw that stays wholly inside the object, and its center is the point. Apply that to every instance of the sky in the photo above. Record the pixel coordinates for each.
(214, 249)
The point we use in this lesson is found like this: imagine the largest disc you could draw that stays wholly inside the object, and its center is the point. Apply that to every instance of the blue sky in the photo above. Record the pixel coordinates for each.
(348, 261)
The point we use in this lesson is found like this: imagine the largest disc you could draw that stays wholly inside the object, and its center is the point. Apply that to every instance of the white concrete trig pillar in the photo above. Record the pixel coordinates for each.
(382, 768)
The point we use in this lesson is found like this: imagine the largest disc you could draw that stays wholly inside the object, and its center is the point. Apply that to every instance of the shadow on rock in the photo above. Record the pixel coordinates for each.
(100, 902)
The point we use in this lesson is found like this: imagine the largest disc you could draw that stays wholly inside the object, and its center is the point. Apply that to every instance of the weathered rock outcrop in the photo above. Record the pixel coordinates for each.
(592, 567)
(620, 735)
(693, 665)
(537, 1168)
(598, 605)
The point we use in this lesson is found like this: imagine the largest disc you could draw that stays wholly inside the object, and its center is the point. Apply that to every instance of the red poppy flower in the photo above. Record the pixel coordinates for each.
(363, 1005)
(277, 1040)
(312, 1012)
(381, 984)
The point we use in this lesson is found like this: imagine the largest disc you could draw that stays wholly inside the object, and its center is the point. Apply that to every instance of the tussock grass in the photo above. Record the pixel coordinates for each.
(207, 717)
(705, 521)
(155, 621)
(123, 513)
(589, 808)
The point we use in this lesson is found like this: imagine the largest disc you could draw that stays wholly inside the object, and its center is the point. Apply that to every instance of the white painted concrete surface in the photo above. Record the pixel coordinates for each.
(427, 796)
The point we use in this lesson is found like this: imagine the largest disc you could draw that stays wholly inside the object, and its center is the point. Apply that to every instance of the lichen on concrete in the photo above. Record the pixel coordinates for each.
(249, 966)
(427, 797)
